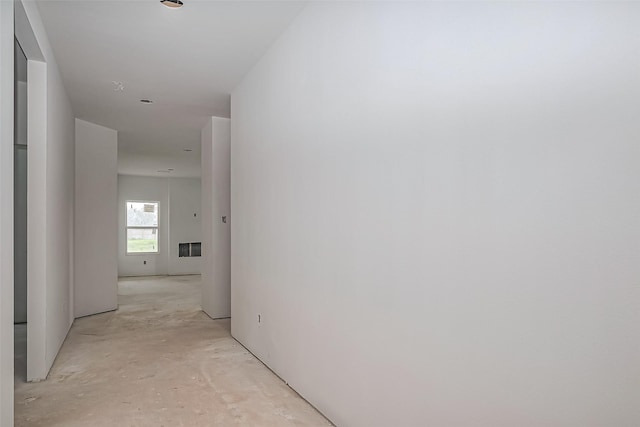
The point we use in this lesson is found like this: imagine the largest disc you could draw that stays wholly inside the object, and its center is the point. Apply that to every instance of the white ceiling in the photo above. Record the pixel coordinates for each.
(186, 60)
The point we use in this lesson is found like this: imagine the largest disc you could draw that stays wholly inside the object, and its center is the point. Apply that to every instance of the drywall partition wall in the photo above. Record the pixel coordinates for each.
(184, 223)
(37, 196)
(179, 200)
(96, 219)
(216, 232)
(6, 213)
(436, 212)
(50, 196)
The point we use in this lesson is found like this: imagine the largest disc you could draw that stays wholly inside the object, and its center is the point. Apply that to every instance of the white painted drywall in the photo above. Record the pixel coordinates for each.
(179, 199)
(37, 244)
(216, 235)
(6, 213)
(436, 211)
(50, 197)
(96, 219)
(184, 223)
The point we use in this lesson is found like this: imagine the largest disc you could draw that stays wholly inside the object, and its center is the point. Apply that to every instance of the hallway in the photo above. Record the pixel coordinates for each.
(158, 361)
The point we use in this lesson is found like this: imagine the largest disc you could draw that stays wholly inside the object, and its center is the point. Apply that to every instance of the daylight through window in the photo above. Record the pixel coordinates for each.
(142, 227)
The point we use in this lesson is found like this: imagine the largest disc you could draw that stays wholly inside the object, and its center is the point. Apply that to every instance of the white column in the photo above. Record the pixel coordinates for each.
(96, 219)
(216, 232)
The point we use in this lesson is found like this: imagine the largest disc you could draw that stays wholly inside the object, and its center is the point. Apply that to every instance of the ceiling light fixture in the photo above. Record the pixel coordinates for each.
(187, 149)
(172, 4)
(146, 101)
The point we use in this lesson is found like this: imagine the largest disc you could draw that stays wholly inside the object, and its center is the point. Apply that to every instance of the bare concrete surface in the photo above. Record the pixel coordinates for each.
(158, 361)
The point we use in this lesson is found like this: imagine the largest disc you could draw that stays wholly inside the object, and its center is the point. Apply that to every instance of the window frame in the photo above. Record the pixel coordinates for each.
(140, 227)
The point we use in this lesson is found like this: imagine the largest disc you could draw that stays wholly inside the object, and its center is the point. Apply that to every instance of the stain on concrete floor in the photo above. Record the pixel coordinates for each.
(158, 361)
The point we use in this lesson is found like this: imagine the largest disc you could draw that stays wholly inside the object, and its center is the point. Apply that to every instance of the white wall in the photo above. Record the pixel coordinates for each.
(184, 223)
(216, 235)
(6, 213)
(96, 223)
(177, 224)
(37, 286)
(436, 211)
(50, 197)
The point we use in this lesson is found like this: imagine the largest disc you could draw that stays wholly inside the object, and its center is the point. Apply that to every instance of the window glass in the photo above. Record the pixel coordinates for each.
(142, 240)
(142, 227)
(142, 214)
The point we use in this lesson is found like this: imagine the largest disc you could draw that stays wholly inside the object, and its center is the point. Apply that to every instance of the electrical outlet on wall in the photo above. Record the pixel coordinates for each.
(144, 262)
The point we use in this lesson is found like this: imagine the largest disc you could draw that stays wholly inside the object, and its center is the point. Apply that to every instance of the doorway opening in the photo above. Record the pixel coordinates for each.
(20, 212)
(30, 189)
(158, 216)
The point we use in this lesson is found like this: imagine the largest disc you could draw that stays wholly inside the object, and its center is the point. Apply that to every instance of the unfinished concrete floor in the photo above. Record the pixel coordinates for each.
(158, 361)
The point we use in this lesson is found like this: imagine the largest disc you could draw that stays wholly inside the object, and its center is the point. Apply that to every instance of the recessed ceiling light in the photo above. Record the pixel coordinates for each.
(172, 4)
(187, 149)
(146, 101)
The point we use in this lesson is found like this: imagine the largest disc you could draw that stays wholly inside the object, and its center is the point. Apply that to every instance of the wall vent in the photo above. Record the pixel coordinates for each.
(189, 249)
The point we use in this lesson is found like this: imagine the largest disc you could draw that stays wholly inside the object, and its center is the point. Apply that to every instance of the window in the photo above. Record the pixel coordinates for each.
(142, 227)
